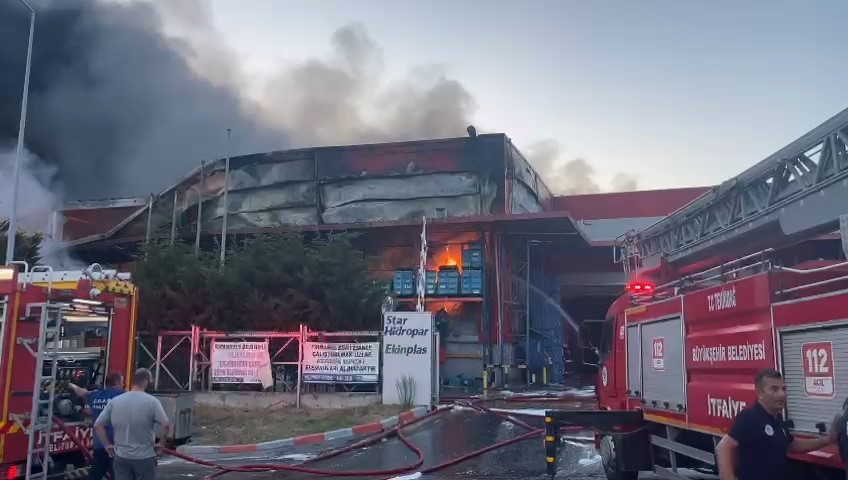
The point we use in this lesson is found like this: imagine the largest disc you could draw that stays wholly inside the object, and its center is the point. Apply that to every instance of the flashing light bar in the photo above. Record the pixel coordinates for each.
(640, 287)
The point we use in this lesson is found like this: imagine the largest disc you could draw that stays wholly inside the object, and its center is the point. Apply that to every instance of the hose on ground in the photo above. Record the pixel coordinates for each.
(532, 432)
(397, 430)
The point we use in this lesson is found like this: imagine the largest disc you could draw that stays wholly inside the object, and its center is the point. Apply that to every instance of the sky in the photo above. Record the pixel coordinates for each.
(675, 93)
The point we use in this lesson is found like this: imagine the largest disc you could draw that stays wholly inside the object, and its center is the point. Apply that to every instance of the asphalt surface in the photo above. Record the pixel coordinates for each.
(441, 438)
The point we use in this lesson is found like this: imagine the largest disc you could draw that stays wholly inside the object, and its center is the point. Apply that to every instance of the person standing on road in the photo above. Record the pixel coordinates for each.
(840, 430)
(757, 444)
(96, 401)
(134, 416)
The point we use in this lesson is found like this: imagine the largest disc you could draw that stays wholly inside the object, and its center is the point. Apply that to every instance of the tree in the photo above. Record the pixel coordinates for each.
(271, 282)
(27, 245)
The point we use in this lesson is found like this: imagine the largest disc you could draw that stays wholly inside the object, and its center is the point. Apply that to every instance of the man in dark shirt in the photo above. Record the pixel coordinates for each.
(757, 444)
(96, 401)
(840, 429)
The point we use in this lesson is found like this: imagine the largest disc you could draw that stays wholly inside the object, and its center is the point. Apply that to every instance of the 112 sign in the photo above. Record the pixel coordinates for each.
(817, 358)
(658, 354)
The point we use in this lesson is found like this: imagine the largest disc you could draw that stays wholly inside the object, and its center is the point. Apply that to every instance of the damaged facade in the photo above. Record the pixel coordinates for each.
(547, 261)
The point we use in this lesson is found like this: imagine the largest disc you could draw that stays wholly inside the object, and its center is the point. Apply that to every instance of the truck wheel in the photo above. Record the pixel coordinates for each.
(608, 460)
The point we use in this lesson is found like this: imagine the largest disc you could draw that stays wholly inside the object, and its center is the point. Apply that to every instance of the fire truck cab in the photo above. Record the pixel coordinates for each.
(57, 328)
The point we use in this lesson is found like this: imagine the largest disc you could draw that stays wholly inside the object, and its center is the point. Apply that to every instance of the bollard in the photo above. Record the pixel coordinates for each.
(506, 376)
(544, 375)
(485, 379)
(533, 379)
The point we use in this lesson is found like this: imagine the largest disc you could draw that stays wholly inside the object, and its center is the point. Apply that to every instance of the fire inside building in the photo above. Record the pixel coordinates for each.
(512, 272)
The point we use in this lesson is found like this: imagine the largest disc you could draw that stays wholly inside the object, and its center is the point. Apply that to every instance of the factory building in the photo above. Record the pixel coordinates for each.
(512, 269)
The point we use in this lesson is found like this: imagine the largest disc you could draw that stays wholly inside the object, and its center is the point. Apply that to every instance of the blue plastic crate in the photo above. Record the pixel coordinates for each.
(472, 256)
(404, 283)
(472, 282)
(432, 282)
(448, 281)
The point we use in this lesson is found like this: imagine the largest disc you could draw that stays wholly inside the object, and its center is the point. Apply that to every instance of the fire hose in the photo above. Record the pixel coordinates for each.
(397, 430)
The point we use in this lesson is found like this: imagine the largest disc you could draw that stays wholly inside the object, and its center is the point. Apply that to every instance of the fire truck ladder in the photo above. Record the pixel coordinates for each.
(798, 192)
(41, 414)
(46, 353)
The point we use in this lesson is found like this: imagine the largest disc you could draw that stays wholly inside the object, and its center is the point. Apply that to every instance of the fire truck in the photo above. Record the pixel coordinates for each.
(57, 328)
(751, 275)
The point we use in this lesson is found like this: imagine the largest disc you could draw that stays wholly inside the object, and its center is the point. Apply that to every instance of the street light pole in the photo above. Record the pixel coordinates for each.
(226, 205)
(16, 173)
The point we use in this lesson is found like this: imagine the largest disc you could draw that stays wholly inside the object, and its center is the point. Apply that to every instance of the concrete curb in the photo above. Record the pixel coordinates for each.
(367, 429)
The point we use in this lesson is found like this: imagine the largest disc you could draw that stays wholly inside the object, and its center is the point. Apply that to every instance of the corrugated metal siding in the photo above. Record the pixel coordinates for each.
(666, 386)
(805, 410)
(634, 365)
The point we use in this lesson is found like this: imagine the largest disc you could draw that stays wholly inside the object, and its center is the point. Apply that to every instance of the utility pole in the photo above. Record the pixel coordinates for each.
(13, 216)
(199, 210)
(226, 205)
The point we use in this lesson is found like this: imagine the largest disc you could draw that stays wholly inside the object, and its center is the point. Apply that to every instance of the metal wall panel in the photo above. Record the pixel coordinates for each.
(634, 365)
(398, 188)
(803, 409)
(663, 388)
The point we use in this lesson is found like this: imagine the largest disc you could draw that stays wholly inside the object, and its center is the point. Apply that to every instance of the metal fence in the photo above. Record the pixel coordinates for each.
(181, 360)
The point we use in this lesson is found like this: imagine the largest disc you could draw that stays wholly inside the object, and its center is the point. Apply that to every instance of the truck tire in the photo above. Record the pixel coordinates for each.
(608, 460)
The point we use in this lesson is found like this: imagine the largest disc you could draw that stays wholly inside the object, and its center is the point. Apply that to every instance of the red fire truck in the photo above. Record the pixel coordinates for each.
(57, 328)
(748, 276)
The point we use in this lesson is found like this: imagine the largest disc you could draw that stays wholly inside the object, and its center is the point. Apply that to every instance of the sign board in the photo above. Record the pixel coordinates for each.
(240, 362)
(817, 358)
(408, 354)
(341, 362)
(659, 354)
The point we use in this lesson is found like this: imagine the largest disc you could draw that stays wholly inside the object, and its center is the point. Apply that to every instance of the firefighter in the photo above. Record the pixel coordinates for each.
(840, 429)
(96, 401)
(759, 440)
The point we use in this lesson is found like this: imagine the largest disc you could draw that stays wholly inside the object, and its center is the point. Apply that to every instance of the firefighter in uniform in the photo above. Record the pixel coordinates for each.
(96, 401)
(840, 429)
(757, 444)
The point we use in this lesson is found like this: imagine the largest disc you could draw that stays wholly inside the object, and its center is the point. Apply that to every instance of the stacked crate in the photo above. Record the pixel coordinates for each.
(472, 270)
(404, 284)
(448, 280)
(430, 287)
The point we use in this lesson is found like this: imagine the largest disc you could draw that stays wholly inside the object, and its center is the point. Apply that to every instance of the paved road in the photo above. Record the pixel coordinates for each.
(442, 438)
(446, 436)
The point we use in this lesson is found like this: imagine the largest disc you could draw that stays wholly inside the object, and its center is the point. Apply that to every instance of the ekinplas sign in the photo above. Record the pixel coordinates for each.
(408, 351)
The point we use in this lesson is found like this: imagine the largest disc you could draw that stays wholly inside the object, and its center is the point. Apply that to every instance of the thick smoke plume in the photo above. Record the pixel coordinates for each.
(126, 97)
(575, 176)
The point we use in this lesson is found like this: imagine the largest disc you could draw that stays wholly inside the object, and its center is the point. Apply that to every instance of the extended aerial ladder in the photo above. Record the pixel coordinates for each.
(796, 193)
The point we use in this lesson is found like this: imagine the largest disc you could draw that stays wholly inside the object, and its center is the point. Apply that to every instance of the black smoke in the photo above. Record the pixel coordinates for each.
(114, 104)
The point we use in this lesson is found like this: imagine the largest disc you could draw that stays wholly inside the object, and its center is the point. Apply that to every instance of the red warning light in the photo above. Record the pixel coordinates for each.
(639, 287)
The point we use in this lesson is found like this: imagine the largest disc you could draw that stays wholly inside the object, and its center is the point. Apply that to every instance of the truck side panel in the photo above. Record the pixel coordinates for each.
(662, 365)
(813, 336)
(729, 338)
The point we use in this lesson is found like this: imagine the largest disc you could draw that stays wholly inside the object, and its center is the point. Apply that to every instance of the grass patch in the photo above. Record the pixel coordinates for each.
(215, 425)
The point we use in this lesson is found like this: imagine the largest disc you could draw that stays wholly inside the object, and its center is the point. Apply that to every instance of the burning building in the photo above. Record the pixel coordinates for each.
(513, 269)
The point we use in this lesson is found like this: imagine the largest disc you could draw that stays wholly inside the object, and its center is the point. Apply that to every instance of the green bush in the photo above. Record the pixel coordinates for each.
(270, 282)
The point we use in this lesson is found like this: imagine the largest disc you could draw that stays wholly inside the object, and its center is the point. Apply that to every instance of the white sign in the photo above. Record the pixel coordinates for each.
(659, 354)
(818, 369)
(408, 353)
(341, 362)
(241, 362)
(722, 300)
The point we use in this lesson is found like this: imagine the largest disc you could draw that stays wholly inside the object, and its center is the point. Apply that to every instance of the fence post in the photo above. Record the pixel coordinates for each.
(158, 362)
(192, 362)
(300, 363)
